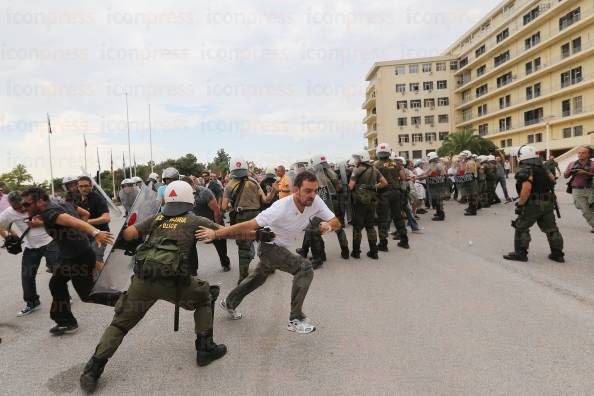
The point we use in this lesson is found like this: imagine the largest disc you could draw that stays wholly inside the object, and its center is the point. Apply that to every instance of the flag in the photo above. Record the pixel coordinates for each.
(85, 139)
(98, 162)
(124, 164)
(49, 125)
(111, 159)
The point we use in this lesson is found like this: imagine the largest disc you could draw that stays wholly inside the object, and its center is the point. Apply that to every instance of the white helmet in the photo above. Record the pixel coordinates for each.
(465, 153)
(318, 159)
(393, 156)
(178, 198)
(362, 156)
(69, 179)
(351, 162)
(383, 151)
(270, 172)
(239, 167)
(432, 156)
(401, 159)
(153, 176)
(170, 173)
(126, 181)
(136, 180)
(491, 157)
(526, 153)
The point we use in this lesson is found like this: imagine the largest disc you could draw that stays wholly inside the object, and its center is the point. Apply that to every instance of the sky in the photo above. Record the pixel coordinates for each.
(271, 82)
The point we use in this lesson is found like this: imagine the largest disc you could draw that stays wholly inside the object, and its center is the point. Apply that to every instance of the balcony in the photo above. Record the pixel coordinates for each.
(554, 64)
(370, 102)
(514, 29)
(369, 133)
(518, 103)
(370, 117)
(371, 85)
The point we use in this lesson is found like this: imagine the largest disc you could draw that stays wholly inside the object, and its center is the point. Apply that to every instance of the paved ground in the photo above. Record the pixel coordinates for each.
(449, 316)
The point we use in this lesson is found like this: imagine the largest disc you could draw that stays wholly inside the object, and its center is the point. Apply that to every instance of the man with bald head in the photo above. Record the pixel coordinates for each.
(581, 173)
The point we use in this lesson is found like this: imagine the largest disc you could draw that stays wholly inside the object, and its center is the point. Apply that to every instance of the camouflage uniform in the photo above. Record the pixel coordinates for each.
(391, 202)
(364, 200)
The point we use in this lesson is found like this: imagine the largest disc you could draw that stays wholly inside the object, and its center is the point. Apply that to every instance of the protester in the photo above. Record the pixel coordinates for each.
(580, 174)
(284, 184)
(501, 176)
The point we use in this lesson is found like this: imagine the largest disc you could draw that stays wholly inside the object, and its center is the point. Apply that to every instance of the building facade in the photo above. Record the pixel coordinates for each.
(523, 75)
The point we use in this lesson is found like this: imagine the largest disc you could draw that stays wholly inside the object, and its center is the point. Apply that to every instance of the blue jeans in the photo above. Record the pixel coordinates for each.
(501, 180)
(411, 218)
(30, 265)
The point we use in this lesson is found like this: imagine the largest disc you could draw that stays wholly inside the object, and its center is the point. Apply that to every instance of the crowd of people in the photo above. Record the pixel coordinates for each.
(312, 198)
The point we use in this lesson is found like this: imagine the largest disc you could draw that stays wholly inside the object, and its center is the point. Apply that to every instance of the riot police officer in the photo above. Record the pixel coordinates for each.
(391, 200)
(162, 272)
(436, 179)
(364, 184)
(535, 186)
(70, 185)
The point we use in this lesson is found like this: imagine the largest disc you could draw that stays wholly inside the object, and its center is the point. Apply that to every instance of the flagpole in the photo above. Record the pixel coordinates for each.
(99, 166)
(112, 174)
(135, 165)
(151, 139)
(49, 143)
(85, 141)
(129, 148)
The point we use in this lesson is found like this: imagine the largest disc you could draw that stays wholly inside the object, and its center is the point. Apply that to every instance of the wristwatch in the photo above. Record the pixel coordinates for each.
(96, 232)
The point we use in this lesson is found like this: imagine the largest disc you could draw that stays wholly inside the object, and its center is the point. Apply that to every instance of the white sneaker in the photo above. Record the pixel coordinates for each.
(233, 314)
(28, 310)
(300, 326)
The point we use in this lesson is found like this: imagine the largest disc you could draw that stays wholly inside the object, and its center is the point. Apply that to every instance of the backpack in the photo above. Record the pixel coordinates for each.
(364, 194)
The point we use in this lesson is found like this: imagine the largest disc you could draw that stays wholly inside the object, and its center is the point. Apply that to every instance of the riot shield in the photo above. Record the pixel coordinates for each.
(116, 273)
(325, 186)
(346, 199)
(99, 190)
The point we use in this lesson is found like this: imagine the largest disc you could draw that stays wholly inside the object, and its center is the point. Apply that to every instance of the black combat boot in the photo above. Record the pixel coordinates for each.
(470, 212)
(206, 350)
(91, 374)
(302, 252)
(316, 263)
(517, 256)
(383, 245)
(344, 252)
(356, 253)
(226, 264)
(372, 253)
(557, 255)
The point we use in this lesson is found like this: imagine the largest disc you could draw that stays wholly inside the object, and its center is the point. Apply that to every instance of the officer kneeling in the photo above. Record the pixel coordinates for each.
(162, 272)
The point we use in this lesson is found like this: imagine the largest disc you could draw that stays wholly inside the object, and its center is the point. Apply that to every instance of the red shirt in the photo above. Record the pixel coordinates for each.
(581, 181)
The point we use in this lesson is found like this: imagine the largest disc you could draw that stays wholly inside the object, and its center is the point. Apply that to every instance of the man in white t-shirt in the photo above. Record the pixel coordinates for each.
(286, 218)
(38, 244)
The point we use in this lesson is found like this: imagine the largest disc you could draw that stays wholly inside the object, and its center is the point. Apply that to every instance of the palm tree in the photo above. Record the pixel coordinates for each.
(466, 140)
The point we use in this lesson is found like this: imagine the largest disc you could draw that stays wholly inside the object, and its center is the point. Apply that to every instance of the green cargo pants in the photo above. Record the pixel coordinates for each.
(245, 249)
(541, 213)
(140, 297)
(390, 204)
(274, 257)
(364, 217)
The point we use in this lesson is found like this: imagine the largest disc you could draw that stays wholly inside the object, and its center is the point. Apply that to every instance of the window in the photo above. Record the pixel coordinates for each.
(532, 117)
(483, 129)
(429, 103)
(501, 58)
(509, 142)
(415, 104)
(528, 68)
(401, 88)
(505, 124)
(442, 118)
(443, 101)
(454, 65)
(577, 105)
(413, 69)
(414, 87)
(429, 120)
(399, 70)
(566, 108)
(532, 41)
(466, 96)
(536, 64)
(576, 45)
(402, 139)
(502, 143)
(417, 154)
(502, 35)
(463, 62)
(482, 110)
(401, 104)
(578, 130)
(430, 137)
(403, 154)
(565, 51)
(466, 115)
(536, 90)
(442, 84)
(428, 86)
(426, 67)
(533, 91)
(416, 121)
(481, 70)
(440, 66)
(538, 137)
(504, 79)
(402, 122)
(479, 51)
(532, 15)
(480, 91)
(443, 135)
(571, 77)
(504, 101)
(530, 139)
(417, 137)
(569, 19)
(566, 133)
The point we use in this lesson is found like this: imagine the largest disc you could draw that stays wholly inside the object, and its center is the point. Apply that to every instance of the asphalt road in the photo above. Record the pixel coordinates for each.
(448, 316)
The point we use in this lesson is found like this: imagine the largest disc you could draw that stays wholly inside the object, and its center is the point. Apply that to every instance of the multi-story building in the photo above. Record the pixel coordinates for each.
(409, 104)
(524, 75)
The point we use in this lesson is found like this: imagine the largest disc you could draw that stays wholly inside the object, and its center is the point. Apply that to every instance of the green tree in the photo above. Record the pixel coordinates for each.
(220, 163)
(17, 179)
(466, 140)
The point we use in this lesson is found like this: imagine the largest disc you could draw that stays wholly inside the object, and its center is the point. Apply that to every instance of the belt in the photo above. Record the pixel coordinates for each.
(542, 197)
(242, 210)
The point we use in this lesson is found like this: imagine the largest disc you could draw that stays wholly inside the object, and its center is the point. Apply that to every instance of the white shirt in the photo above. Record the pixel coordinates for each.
(35, 238)
(287, 222)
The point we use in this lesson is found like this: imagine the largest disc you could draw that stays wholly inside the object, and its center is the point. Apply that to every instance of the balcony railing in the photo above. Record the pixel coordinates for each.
(516, 53)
